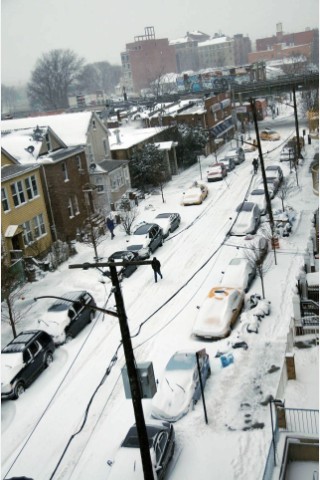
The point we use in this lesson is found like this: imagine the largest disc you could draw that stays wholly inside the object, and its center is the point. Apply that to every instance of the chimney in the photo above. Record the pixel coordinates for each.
(117, 133)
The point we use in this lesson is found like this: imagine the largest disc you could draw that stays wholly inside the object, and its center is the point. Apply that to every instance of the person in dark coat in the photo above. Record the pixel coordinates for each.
(110, 227)
(255, 165)
(156, 265)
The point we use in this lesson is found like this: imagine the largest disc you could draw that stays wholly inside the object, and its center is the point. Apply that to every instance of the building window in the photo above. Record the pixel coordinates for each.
(100, 188)
(90, 154)
(39, 226)
(17, 193)
(27, 233)
(76, 205)
(70, 208)
(105, 146)
(48, 142)
(5, 200)
(64, 171)
(117, 180)
(31, 187)
(79, 162)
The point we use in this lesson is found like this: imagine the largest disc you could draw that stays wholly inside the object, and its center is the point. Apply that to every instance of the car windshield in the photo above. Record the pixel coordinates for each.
(59, 306)
(143, 230)
(120, 256)
(136, 247)
(236, 261)
(245, 207)
(257, 191)
(132, 439)
(164, 215)
(182, 361)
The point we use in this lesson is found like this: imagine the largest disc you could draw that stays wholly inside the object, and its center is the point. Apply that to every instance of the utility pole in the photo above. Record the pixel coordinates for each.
(264, 178)
(130, 361)
(297, 125)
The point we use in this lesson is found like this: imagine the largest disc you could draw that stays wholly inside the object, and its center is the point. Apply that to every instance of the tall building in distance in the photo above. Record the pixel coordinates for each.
(242, 47)
(186, 49)
(145, 60)
(216, 52)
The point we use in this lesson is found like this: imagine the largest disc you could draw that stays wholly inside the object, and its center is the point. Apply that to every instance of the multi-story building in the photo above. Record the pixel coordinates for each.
(242, 47)
(25, 227)
(186, 49)
(283, 45)
(146, 60)
(216, 52)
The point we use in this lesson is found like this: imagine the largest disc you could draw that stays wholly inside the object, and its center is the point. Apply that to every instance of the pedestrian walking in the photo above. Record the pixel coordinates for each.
(110, 226)
(156, 265)
(255, 165)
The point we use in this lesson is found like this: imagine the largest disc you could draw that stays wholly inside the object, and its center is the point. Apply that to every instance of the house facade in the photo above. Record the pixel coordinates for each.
(25, 226)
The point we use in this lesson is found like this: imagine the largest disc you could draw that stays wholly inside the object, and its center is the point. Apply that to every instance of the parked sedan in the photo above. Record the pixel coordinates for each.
(168, 222)
(195, 195)
(127, 464)
(23, 359)
(218, 313)
(68, 316)
(258, 196)
(274, 172)
(240, 273)
(236, 154)
(247, 220)
(272, 185)
(216, 171)
(287, 154)
(180, 387)
(228, 163)
(145, 239)
(124, 271)
(268, 134)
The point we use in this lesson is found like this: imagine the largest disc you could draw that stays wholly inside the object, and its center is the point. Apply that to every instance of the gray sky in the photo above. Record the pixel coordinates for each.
(99, 29)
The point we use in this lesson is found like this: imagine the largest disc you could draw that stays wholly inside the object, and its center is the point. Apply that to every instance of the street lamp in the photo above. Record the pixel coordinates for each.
(130, 360)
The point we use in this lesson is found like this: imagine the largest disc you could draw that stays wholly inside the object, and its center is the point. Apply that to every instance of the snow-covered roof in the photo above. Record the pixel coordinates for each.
(70, 127)
(131, 136)
(21, 145)
(214, 41)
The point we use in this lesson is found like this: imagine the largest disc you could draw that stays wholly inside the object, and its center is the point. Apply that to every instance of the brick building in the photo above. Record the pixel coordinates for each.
(145, 60)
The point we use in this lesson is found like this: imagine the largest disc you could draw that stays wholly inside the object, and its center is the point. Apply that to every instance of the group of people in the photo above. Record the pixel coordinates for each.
(155, 264)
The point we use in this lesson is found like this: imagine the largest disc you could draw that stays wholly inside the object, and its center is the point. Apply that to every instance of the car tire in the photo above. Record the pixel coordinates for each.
(208, 372)
(18, 390)
(172, 451)
(161, 243)
(91, 316)
(48, 359)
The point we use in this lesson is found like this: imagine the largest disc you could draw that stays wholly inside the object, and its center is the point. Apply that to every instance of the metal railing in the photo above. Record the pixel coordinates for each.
(300, 421)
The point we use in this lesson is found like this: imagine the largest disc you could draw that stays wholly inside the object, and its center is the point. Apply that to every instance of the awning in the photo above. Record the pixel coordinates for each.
(13, 230)
(222, 127)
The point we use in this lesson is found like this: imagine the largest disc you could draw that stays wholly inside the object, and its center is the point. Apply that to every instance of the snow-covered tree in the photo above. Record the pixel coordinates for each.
(148, 166)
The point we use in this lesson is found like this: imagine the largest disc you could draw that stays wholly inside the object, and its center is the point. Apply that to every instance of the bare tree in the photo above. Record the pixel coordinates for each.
(286, 189)
(128, 217)
(53, 75)
(93, 233)
(11, 291)
(258, 262)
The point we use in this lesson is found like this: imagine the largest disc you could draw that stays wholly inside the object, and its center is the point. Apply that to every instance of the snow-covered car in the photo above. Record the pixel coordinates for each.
(247, 220)
(123, 271)
(268, 134)
(218, 313)
(239, 274)
(68, 316)
(127, 463)
(180, 388)
(23, 359)
(195, 194)
(272, 185)
(145, 239)
(236, 154)
(274, 172)
(216, 171)
(258, 196)
(287, 154)
(258, 244)
(228, 162)
(168, 222)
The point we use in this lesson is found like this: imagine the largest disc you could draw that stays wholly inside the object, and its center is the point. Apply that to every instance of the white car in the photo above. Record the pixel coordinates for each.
(180, 387)
(247, 219)
(168, 222)
(239, 274)
(195, 194)
(258, 196)
(218, 313)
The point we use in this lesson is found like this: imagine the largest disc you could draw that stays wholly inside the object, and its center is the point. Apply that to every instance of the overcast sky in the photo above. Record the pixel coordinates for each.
(99, 29)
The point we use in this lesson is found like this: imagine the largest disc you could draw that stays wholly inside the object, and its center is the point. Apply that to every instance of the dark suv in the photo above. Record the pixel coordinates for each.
(23, 359)
(145, 239)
